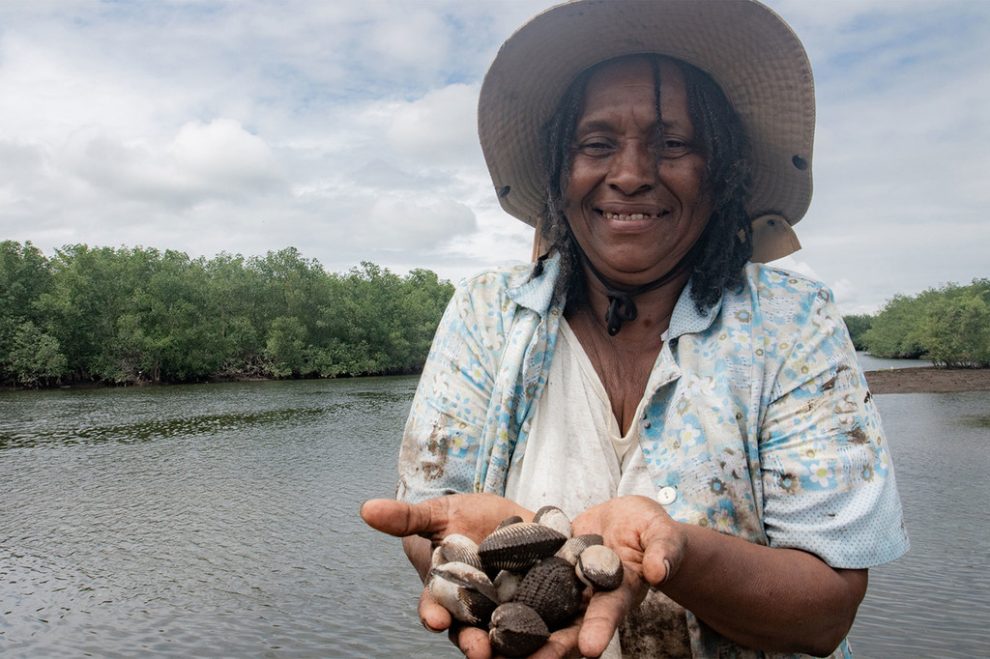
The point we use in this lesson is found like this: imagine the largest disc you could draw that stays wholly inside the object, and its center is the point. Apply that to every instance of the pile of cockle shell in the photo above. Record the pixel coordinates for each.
(524, 580)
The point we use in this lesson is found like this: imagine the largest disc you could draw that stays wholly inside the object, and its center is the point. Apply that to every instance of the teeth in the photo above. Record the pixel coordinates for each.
(627, 217)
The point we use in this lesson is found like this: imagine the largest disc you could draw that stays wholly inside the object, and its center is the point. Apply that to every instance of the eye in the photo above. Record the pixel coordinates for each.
(595, 147)
(674, 147)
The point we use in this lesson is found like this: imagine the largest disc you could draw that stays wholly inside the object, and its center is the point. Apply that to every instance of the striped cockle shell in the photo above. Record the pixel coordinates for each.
(437, 559)
(573, 547)
(457, 548)
(518, 546)
(515, 519)
(517, 630)
(555, 518)
(552, 590)
(600, 567)
(465, 591)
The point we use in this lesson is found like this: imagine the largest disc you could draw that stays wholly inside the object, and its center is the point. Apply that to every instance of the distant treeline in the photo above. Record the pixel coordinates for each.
(128, 315)
(948, 325)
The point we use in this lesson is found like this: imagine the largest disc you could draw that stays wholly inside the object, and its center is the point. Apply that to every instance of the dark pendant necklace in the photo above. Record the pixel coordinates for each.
(621, 305)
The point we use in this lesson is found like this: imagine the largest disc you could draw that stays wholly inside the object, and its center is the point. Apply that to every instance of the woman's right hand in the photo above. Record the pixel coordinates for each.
(473, 515)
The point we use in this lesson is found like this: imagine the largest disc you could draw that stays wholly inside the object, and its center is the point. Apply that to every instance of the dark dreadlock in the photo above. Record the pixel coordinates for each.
(727, 239)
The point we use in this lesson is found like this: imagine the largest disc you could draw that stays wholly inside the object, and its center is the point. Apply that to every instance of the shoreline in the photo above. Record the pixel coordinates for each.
(928, 380)
(912, 380)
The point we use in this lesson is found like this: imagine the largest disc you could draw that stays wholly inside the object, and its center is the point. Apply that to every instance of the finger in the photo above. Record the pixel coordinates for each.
(603, 616)
(472, 641)
(399, 518)
(434, 617)
(562, 643)
(661, 553)
(656, 566)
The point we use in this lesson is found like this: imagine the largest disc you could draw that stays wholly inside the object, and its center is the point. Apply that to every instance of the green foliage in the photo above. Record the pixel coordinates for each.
(35, 358)
(124, 315)
(137, 314)
(858, 325)
(286, 347)
(24, 276)
(950, 326)
(956, 330)
(894, 331)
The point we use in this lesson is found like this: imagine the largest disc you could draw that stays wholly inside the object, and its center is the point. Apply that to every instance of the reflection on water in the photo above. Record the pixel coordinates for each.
(870, 363)
(221, 520)
(142, 431)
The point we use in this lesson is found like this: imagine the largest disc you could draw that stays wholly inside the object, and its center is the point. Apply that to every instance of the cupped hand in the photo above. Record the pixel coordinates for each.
(647, 540)
(473, 515)
(651, 546)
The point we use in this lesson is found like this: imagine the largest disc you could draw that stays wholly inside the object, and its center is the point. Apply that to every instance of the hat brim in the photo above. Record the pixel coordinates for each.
(748, 50)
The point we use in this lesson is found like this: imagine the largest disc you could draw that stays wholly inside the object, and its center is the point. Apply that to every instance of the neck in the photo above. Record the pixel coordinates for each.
(653, 307)
(622, 301)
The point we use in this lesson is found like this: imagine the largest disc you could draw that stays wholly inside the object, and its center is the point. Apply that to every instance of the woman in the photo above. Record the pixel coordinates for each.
(703, 413)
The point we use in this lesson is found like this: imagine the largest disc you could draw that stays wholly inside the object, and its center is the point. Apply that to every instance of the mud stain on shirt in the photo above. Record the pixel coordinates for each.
(436, 445)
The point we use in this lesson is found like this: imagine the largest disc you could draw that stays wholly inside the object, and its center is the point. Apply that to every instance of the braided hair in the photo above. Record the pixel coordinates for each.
(726, 243)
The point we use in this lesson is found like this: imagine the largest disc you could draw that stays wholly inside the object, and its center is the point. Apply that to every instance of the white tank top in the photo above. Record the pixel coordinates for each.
(576, 456)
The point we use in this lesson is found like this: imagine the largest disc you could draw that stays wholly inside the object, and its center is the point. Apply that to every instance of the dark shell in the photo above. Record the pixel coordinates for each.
(518, 546)
(515, 519)
(551, 589)
(555, 518)
(465, 591)
(517, 630)
(600, 567)
(573, 547)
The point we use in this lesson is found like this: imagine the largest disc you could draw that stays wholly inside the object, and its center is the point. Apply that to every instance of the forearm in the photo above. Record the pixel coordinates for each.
(773, 599)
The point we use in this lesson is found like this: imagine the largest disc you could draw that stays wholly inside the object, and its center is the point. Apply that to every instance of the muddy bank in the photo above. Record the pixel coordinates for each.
(928, 380)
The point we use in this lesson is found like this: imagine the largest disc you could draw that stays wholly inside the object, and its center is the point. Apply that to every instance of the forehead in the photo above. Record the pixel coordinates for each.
(632, 78)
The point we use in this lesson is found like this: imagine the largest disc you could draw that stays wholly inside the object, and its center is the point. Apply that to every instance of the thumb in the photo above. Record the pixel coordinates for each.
(656, 566)
(400, 519)
(661, 554)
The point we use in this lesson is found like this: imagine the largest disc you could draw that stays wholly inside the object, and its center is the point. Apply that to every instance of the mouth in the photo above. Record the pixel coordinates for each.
(634, 217)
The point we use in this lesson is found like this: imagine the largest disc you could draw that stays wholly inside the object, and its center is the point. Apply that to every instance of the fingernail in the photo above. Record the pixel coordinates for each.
(666, 565)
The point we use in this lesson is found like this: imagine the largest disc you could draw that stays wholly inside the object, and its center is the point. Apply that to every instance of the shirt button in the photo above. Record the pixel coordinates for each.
(666, 495)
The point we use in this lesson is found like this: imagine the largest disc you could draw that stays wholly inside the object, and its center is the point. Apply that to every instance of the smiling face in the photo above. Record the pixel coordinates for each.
(635, 203)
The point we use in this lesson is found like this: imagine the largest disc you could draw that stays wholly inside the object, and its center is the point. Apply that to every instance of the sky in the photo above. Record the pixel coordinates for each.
(347, 129)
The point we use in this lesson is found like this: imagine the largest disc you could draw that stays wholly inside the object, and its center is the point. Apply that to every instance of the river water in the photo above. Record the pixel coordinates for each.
(221, 520)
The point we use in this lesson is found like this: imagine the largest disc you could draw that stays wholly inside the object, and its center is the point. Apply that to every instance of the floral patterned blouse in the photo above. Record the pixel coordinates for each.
(759, 422)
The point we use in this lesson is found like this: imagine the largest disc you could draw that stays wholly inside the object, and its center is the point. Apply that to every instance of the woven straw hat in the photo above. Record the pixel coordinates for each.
(750, 52)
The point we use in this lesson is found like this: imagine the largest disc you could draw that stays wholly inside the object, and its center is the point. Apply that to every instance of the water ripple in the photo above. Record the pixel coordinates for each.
(144, 431)
(239, 535)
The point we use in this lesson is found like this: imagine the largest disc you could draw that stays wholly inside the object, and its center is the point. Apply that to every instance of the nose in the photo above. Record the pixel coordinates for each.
(634, 169)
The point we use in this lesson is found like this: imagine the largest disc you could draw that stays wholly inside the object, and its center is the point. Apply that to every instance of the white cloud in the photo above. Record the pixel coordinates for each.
(414, 40)
(215, 160)
(406, 223)
(438, 129)
(223, 154)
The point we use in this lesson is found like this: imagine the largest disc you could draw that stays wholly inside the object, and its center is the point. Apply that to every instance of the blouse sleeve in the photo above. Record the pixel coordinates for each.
(440, 443)
(827, 476)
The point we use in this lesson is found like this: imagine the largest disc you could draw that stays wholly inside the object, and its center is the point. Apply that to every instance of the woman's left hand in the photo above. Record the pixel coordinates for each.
(651, 546)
